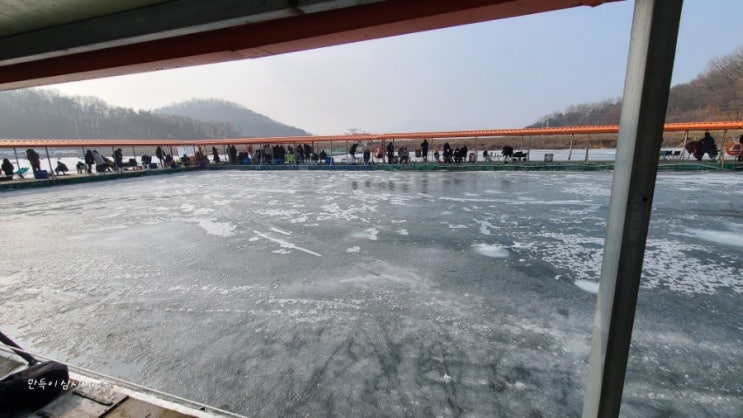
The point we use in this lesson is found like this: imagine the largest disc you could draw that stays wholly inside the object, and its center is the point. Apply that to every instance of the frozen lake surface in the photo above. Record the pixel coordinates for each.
(376, 293)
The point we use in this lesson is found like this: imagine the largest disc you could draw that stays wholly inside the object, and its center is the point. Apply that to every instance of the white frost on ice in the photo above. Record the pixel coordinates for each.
(462, 199)
(682, 267)
(285, 244)
(491, 250)
(484, 226)
(280, 231)
(734, 239)
(457, 226)
(354, 249)
(401, 221)
(370, 234)
(283, 213)
(403, 232)
(222, 229)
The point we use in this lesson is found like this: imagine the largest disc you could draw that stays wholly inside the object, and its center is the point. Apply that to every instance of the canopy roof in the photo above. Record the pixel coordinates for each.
(47, 42)
(488, 133)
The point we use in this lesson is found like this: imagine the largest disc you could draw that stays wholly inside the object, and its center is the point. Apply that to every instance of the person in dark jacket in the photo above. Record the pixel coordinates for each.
(424, 149)
(61, 168)
(89, 161)
(352, 153)
(160, 155)
(8, 168)
(708, 147)
(390, 152)
(34, 159)
(118, 159)
(232, 154)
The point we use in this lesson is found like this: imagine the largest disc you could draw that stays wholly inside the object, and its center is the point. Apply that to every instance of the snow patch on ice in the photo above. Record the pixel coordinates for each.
(457, 226)
(491, 250)
(403, 232)
(587, 285)
(222, 229)
(354, 249)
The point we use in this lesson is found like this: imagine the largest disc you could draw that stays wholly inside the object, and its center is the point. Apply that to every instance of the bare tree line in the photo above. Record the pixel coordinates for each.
(714, 95)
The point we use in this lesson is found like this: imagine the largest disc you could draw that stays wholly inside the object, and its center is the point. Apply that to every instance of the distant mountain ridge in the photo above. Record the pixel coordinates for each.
(245, 121)
(47, 114)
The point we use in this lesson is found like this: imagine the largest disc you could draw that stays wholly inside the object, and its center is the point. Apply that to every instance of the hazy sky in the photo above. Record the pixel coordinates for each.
(500, 74)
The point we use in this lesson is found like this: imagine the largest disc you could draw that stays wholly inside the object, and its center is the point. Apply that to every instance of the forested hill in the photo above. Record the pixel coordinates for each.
(47, 114)
(245, 121)
(715, 94)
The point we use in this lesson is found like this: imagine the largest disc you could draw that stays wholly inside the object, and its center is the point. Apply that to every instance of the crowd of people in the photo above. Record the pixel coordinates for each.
(306, 154)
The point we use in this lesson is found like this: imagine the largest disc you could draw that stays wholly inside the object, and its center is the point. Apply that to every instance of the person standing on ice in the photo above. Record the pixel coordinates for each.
(34, 159)
(352, 152)
(424, 150)
(100, 163)
(89, 161)
(159, 154)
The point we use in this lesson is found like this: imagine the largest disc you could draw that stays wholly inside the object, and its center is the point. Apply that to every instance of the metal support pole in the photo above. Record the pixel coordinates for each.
(647, 83)
(528, 150)
(570, 153)
(17, 163)
(588, 146)
(477, 151)
(49, 159)
(722, 149)
(686, 139)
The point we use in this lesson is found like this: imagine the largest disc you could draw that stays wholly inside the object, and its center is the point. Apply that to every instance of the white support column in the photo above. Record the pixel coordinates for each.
(570, 153)
(647, 84)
